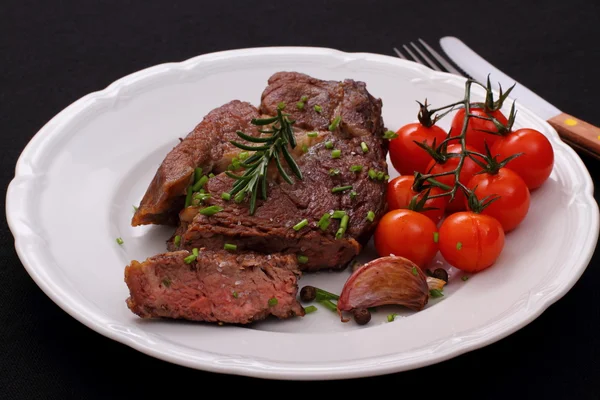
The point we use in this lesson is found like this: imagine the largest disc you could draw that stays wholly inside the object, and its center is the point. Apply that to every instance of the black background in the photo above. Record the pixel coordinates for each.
(54, 52)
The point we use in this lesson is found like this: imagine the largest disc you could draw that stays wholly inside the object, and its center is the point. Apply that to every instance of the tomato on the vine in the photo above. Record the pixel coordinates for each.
(469, 169)
(406, 156)
(400, 193)
(475, 135)
(512, 204)
(536, 163)
(407, 234)
(471, 242)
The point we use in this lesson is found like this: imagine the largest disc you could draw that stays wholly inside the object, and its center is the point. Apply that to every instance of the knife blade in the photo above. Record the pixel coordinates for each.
(574, 131)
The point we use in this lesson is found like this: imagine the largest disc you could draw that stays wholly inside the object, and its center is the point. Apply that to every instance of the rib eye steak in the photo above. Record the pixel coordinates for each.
(342, 155)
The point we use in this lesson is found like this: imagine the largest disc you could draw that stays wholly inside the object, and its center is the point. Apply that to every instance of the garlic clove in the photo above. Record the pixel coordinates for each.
(386, 280)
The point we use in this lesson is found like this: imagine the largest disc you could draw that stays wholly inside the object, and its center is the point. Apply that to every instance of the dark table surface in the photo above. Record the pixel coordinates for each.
(53, 53)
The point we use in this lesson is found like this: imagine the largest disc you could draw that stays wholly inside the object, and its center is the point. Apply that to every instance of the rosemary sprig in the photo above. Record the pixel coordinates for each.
(254, 178)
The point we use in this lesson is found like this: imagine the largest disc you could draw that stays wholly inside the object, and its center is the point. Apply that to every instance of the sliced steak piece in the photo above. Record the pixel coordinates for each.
(217, 287)
(208, 147)
(270, 229)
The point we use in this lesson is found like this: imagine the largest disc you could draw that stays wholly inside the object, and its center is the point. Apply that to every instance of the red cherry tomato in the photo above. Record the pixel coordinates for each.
(469, 169)
(407, 234)
(405, 155)
(400, 193)
(537, 161)
(471, 242)
(474, 135)
(512, 205)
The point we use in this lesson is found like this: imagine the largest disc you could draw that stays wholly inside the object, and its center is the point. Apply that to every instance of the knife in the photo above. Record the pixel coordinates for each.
(575, 132)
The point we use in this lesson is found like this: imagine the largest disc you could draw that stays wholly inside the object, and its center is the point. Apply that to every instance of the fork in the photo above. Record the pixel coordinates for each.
(428, 61)
(575, 132)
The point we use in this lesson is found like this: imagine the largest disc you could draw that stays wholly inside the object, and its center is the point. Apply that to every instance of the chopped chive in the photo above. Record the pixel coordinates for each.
(273, 302)
(356, 168)
(335, 123)
(212, 210)
(230, 247)
(120, 241)
(300, 224)
(281, 105)
(370, 216)
(166, 282)
(334, 172)
(135, 209)
(304, 99)
(318, 108)
(225, 196)
(372, 174)
(364, 147)
(312, 134)
(465, 278)
(414, 271)
(338, 214)
(197, 174)
(211, 175)
(436, 237)
(386, 177)
(341, 188)
(380, 175)
(235, 294)
(329, 145)
(300, 105)
(390, 135)
(458, 245)
(200, 184)
(192, 257)
(328, 304)
(353, 195)
(201, 196)
(243, 155)
(435, 293)
(336, 153)
(343, 226)
(324, 221)
(391, 317)
(304, 148)
(310, 309)
(302, 259)
(188, 197)
(177, 241)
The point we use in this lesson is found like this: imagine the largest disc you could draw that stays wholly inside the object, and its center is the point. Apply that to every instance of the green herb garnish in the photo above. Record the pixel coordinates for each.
(312, 134)
(372, 174)
(370, 216)
(254, 178)
(230, 247)
(391, 317)
(341, 188)
(353, 195)
(343, 226)
(356, 168)
(310, 309)
(300, 105)
(177, 241)
(465, 278)
(235, 294)
(335, 123)
(300, 224)
(318, 108)
(390, 135)
(119, 241)
(225, 196)
(436, 237)
(336, 153)
(323, 223)
(329, 145)
(273, 302)
(334, 172)
(212, 210)
(435, 293)
(458, 245)
(302, 259)
(192, 257)
(414, 271)
(338, 214)
(364, 147)
(166, 282)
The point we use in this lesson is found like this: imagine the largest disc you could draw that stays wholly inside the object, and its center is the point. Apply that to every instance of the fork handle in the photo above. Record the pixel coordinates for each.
(577, 133)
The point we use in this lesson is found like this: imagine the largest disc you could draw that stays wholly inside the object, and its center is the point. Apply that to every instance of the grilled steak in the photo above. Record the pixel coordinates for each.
(240, 287)
(270, 228)
(218, 286)
(207, 147)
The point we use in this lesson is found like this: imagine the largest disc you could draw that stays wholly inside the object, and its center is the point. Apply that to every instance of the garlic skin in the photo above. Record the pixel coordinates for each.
(435, 284)
(386, 280)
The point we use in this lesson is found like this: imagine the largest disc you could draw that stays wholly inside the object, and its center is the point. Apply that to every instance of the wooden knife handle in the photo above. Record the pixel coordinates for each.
(577, 133)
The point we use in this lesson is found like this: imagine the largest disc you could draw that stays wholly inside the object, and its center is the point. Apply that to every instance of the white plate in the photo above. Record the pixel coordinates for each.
(78, 178)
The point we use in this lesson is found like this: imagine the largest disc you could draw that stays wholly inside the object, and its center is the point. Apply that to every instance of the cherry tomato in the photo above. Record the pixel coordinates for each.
(469, 169)
(407, 234)
(400, 193)
(535, 164)
(474, 135)
(471, 242)
(513, 203)
(405, 155)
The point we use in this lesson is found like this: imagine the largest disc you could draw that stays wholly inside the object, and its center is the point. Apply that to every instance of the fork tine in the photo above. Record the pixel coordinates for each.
(443, 62)
(413, 55)
(399, 54)
(424, 57)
